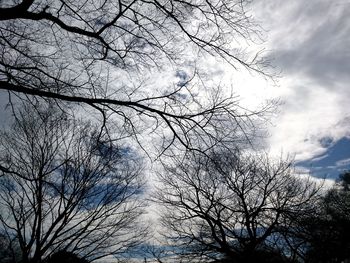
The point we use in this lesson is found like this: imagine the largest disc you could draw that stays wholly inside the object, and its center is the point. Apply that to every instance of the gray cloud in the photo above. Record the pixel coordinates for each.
(309, 41)
(322, 52)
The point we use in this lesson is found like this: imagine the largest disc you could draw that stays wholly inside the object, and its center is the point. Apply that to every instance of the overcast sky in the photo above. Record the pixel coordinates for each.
(310, 43)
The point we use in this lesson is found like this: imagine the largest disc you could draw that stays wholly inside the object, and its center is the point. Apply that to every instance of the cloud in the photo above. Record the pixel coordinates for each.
(343, 162)
(331, 164)
(322, 49)
(310, 43)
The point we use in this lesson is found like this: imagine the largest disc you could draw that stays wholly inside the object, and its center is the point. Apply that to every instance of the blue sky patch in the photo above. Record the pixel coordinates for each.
(333, 162)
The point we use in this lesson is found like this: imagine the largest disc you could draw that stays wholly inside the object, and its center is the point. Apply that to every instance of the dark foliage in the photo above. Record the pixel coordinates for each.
(258, 256)
(10, 251)
(65, 257)
(327, 233)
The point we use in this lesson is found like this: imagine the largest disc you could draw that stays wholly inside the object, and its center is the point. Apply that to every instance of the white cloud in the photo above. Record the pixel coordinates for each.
(311, 45)
(343, 162)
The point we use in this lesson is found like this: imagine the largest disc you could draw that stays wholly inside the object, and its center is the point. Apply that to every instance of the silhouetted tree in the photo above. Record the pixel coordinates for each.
(97, 53)
(62, 188)
(344, 180)
(65, 257)
(231, 207)
(326, 231)
(9, 249)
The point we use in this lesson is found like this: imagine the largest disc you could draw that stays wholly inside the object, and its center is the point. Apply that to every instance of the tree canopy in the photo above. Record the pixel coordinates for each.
(63, 189)
(97, 54)
(232, 207)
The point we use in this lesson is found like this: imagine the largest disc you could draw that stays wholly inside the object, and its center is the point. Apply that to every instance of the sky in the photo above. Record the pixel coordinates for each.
(309, 42)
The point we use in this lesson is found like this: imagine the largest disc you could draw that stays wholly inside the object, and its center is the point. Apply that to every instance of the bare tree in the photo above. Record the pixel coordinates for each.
(62, 189)
(9, 249)
(231, 207)
(95, 53)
